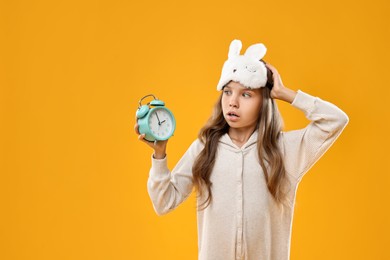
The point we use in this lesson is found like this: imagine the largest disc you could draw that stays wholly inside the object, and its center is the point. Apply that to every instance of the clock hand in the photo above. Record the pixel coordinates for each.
(159, 123)
(163, 121)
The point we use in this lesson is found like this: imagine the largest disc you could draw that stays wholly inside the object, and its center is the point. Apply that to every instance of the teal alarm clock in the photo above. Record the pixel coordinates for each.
(155, 120)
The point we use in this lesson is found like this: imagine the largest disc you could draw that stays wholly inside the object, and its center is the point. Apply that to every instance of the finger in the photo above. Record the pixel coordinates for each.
(136, 129)
(269, 65)
(142, 139)
(272, 68)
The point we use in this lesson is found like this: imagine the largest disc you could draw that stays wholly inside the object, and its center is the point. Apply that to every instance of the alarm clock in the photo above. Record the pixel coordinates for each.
(155, 120)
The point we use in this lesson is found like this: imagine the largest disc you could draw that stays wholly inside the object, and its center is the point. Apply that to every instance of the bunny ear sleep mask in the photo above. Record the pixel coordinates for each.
(246, 69)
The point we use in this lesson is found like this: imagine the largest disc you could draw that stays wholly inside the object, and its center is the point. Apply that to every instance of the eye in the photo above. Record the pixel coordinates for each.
(246, 94)
(227, 92)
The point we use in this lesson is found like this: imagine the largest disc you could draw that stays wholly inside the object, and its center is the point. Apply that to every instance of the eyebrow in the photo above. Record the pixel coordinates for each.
(241, 89)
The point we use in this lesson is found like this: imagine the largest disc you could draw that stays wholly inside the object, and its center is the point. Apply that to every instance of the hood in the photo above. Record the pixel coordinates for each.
(227, 141)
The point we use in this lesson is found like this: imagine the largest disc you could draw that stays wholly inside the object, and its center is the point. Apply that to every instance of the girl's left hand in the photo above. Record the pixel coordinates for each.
(279, 91)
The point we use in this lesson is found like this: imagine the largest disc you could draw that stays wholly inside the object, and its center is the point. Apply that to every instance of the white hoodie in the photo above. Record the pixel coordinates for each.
(243, 221)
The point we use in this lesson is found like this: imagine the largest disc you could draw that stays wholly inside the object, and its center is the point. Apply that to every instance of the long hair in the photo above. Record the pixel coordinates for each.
(270, 154)
(269, 126)
(209, 135)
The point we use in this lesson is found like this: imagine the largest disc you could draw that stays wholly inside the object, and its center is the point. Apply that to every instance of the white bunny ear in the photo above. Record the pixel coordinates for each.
(235, 48)
(256, 51)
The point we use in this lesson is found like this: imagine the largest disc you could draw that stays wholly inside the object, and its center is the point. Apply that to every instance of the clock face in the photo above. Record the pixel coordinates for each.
(161, 123)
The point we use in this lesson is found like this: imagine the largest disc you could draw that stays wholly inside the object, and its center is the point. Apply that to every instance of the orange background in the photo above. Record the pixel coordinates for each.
(73, 174)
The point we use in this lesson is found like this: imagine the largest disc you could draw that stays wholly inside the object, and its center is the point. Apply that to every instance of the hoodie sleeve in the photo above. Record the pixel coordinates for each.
(167, 189)
(304, 147)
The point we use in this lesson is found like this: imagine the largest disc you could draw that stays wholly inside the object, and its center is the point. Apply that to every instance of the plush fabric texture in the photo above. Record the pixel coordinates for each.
(243, 220)
(246, 69)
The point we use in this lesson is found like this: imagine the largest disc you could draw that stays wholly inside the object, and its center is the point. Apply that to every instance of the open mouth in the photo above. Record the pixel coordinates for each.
(232, 114)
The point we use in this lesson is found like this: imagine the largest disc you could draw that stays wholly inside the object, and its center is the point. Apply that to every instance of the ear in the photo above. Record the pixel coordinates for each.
(256, 51)
(235, 48)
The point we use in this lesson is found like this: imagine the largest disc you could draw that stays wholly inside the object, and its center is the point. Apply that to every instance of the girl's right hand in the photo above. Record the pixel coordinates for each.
(159, 147)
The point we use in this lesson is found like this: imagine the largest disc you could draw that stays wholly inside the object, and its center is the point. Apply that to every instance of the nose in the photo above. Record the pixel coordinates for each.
(233, 102)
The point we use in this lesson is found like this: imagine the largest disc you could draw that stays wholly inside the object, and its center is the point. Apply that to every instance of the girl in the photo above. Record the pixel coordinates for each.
(245, 169)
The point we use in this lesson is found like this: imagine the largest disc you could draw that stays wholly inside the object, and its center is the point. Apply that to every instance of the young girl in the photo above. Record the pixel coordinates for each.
(245, 169)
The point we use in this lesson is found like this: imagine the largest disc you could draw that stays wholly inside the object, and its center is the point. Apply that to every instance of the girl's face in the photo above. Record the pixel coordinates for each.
(241, 106)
